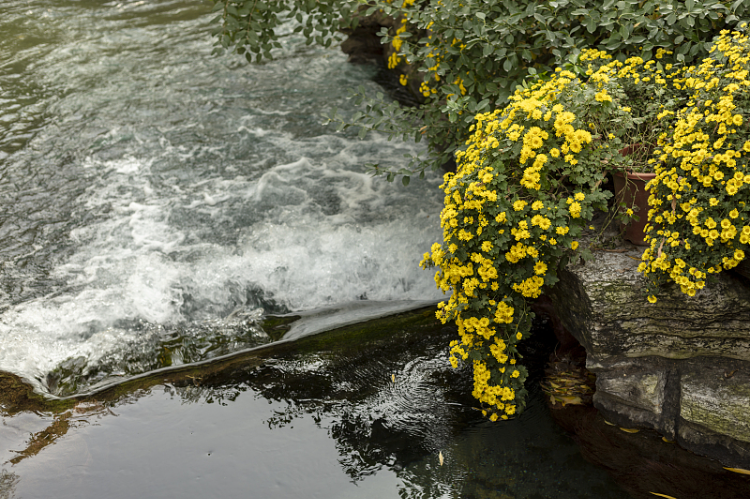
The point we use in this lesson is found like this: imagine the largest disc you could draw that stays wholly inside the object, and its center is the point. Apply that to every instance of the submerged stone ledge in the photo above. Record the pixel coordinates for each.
(18, 394)
(680, 366)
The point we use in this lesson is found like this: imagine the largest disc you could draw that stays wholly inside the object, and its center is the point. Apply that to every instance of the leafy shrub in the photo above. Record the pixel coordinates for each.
(469, 55)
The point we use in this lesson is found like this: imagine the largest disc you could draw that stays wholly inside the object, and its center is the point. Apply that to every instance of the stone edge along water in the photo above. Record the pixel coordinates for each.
(17, 394)
(680, 366)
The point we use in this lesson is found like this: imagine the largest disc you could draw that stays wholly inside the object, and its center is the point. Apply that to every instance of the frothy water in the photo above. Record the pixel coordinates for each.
(152, 193)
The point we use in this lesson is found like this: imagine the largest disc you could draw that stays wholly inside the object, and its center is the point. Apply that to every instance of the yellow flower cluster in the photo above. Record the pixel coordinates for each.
(493, 395)
(531, 287)
(507, 220)
(432, 75)
(651, 89)
(699, 221)
(394, 59)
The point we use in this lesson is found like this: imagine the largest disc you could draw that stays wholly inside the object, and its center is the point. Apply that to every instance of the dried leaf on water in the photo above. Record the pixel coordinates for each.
(631, 430)
(663, 495)
(738, 470)
(440, 458)
(393, 378)
(570, 400)
(566, 384)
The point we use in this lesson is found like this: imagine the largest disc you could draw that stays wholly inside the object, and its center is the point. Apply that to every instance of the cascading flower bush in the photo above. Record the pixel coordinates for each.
(527, 184)
(699, 221)
(530, 178)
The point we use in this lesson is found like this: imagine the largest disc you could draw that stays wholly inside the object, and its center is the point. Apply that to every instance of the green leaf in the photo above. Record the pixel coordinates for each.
(405, 180)
(624, 32)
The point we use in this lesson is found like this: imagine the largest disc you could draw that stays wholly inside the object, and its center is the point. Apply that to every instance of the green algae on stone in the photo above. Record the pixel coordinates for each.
(714, 401)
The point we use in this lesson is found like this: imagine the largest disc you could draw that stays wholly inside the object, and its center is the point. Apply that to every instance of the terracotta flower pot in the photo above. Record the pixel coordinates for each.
(630, 188)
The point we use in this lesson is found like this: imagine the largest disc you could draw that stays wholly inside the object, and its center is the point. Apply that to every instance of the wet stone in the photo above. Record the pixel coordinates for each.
(643, 390)
(717, 397)
(679, 366)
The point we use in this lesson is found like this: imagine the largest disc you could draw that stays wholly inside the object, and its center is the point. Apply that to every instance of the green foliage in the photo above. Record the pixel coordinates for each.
(474, 53)
(469, 55)
(251, 27)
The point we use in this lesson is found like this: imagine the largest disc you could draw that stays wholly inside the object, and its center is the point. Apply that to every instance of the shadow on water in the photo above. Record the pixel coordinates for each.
(643, 463)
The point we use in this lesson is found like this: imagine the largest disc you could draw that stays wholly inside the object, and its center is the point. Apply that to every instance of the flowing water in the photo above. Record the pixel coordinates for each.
(156, 198)
(156, 202)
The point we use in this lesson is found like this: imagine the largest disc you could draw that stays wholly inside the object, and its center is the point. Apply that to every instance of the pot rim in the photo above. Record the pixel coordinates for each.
(635, 175)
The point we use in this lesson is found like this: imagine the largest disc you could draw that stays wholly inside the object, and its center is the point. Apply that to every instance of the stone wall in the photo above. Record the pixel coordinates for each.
(680, 366)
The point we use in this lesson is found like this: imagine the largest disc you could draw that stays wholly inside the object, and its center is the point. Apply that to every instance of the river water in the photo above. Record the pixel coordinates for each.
(156, 203)
(154, 197)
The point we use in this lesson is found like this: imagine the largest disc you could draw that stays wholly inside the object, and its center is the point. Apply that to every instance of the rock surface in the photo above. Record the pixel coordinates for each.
(363, 45)
(363, 42)
(680, 366)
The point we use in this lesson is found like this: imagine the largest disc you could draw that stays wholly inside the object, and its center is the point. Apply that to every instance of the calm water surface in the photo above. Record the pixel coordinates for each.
(356, 420)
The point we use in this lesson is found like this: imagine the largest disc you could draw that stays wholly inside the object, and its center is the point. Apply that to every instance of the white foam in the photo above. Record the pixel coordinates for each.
(302, 254)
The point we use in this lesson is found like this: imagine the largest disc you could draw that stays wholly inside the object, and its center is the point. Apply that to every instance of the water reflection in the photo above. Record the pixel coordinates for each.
(373, 415)
(399, 406)
(362, 415)
(643, 463)
(376, 416)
